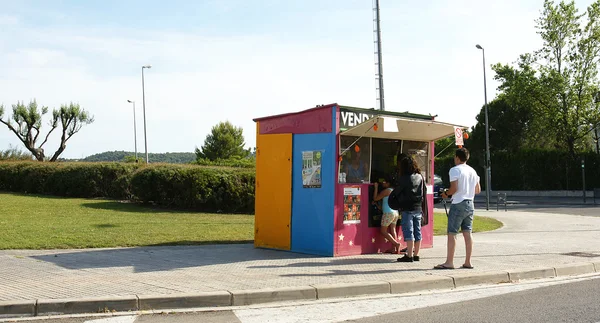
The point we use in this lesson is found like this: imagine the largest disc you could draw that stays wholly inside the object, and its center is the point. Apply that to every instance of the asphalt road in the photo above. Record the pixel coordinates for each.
(573, 210)
(561, 205)
(574, 303)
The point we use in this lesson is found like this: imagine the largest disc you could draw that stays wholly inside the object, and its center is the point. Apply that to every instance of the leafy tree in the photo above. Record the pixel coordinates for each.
(511, 126)
(26, 124)
(445, 147)
(559, 82)
(224, 142)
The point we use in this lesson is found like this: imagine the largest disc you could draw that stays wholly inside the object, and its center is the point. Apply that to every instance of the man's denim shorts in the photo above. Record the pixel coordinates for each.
(460, 217)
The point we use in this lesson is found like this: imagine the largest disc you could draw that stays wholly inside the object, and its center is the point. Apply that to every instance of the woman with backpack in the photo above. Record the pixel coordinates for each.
(410, 195)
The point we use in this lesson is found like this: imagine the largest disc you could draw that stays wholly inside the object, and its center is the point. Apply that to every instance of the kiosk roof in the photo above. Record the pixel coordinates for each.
(402, 128)
(368, 111)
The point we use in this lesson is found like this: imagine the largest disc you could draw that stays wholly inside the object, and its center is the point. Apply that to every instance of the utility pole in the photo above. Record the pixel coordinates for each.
(144, 104)
(134, 131)
(377, 35)
(597, 139)
(488, 162)
(583, 175)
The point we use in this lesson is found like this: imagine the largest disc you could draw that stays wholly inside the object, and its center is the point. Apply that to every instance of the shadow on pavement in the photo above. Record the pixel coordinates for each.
(157, 258)
(332, 262)
(153, 259)
(336, 272)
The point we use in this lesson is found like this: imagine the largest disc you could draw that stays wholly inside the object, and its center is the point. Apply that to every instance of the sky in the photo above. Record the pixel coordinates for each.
(235, 60)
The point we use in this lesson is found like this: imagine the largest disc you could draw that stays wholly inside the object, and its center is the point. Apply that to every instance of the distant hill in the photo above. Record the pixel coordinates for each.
(118, 156)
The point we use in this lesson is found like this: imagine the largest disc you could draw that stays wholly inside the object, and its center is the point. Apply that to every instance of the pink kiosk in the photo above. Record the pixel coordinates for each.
(308, 198)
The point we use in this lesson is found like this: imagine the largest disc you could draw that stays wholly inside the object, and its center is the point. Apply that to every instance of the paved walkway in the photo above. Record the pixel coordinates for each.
(527, 240)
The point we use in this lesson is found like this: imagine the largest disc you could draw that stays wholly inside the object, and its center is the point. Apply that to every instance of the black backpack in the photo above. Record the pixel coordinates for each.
(403, 198)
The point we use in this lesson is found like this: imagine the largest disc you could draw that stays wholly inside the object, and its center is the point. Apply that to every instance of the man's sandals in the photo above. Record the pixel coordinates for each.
(444, 266)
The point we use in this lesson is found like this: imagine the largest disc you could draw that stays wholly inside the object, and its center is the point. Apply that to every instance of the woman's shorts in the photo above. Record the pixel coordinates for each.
(389, 218)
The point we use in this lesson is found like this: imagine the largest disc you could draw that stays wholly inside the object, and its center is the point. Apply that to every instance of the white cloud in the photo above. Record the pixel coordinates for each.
(8, 20)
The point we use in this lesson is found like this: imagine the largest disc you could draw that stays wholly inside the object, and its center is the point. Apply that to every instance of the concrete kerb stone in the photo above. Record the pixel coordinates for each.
(493, 277)
(87, 305)
(17, 308)
(248, 297)
(352, 289)
(575, 269)
(422, 284)
(267, 295)
(538, 273)
(208, 299)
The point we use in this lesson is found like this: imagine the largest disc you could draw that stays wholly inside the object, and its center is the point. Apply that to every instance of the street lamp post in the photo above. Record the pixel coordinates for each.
(134, 131)
(144, 105)
(488, 163)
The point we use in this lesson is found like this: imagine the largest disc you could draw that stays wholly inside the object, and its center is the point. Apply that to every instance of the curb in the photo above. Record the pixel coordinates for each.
(11, 309)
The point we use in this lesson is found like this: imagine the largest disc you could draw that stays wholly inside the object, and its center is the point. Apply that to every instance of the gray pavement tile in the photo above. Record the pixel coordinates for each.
(527, 240)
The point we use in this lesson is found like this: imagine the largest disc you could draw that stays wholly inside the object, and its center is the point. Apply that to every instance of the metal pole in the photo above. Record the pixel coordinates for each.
(583, 175)
(488, 163)
(380, 63)
(135, 133)
(144, 104)
(597, 139)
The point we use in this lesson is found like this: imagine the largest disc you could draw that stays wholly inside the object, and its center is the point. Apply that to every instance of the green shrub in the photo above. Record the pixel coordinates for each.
(109, 180)
(209, 189)
(213, 189)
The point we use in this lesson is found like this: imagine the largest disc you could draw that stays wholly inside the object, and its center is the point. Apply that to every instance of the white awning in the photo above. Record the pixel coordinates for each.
(402, 129)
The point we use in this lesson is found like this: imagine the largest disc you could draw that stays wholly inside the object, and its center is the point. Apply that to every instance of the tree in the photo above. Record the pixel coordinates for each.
(445, 147)
(224, 142)
(26, 124)
(559, 82)
(511, 126)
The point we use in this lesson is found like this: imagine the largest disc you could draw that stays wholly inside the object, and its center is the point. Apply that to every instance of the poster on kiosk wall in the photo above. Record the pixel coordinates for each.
(351, 204)
(311, 169)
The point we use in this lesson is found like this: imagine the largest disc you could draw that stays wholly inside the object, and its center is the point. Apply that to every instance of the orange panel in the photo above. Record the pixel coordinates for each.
(273, 211)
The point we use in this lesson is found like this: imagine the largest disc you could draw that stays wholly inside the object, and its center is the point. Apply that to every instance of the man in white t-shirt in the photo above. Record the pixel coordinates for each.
(464, 184)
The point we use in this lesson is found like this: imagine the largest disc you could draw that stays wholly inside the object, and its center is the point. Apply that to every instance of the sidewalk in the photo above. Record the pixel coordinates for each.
(528, 240)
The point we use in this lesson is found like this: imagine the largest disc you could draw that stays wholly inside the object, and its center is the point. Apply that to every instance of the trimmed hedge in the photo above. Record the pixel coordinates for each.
(109, 180)
(211, 189)
(203, 188)
(534, 170)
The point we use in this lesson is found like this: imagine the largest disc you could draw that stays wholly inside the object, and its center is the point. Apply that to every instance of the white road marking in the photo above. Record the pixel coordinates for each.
(115, 319)
(351, 309)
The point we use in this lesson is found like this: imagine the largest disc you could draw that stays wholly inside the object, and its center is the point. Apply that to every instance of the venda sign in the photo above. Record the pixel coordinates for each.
(349, 118)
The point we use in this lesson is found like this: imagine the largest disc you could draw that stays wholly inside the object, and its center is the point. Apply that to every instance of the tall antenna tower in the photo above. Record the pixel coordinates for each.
(378, 61)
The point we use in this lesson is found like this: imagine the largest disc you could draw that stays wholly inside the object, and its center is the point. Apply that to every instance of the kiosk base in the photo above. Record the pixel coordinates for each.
(357, 224)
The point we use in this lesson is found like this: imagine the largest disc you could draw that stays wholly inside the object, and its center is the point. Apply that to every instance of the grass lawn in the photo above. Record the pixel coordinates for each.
(34, 222)
(480, 224)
